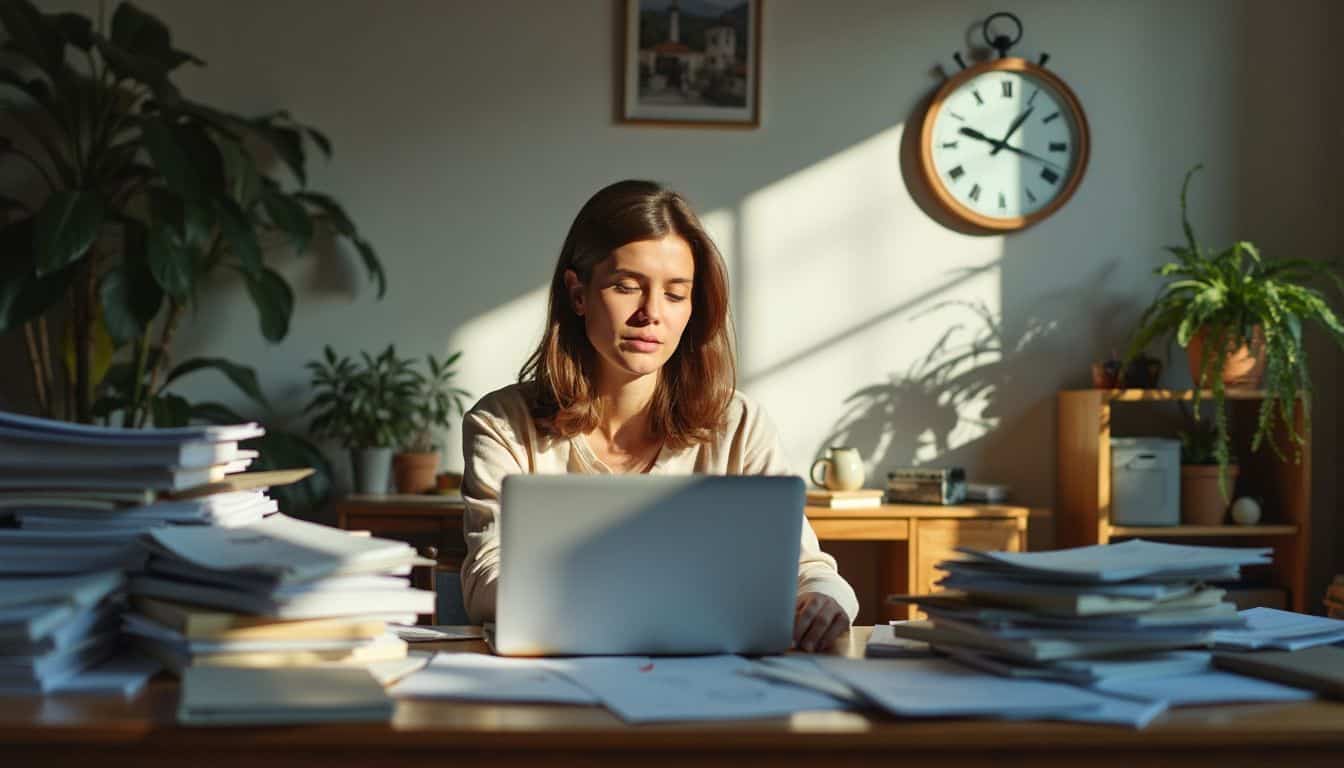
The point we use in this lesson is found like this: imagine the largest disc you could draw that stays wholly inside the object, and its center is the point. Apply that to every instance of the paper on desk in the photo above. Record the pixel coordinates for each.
(124, 675)
(1213, 687)
(415, 633)
(644, 690)
(939, 688)
(1283, 630)
(804, 672)
(477, 677)
(1133, 559)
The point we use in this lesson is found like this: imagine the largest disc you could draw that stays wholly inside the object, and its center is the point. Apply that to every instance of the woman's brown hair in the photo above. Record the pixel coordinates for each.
(697, 382)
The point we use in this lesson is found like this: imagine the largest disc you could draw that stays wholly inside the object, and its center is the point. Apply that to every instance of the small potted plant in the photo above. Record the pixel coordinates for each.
(1240, 317)
(366, 406)
(1203, 501)
(434, 402)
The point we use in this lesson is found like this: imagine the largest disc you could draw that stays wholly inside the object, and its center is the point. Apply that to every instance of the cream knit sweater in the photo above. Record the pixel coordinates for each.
(500, 438)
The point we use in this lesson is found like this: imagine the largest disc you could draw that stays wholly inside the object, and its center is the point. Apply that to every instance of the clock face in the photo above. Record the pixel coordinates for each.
(1005, 145)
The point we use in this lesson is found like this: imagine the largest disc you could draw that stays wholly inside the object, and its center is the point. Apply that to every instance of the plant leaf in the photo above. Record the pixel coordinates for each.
(129, 295)
(170, 263)
(77, 30)
(288, 215)
(170, 158)
(372, 265)
(65, 228)
(274, 300)
(241, 375)
(239, 235)
(170, 411)
(24, 295)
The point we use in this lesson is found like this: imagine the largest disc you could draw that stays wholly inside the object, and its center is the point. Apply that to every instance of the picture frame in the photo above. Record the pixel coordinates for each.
(691, 63)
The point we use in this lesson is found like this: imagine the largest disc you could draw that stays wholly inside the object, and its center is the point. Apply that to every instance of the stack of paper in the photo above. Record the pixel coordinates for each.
(74, 499)
(219, 696)
(53, 628)
(281, 592)
(1281, 631)
(1082, 615)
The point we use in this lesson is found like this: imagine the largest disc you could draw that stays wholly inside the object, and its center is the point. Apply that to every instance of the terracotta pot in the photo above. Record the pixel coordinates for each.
(1244, 367)
(449, 481)
(1202, 501)
(415, 472)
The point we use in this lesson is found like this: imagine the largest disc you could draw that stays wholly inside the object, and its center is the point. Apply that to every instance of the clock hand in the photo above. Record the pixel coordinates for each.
(974, 134)
(1011, 130)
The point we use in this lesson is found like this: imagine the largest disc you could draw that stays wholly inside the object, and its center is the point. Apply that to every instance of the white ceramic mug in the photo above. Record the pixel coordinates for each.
(841, 469)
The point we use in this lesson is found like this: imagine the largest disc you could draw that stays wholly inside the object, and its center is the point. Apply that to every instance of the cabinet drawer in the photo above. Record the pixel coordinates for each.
(937, 540)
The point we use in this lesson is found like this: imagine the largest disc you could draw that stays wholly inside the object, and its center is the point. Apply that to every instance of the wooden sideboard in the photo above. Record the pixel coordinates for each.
(903, 542)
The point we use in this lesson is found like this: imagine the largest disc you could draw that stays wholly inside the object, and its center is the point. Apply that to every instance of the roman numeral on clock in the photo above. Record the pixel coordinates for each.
(974, 193)
(979, 101)
(1003, 202)
(1050, 117)
(1059, 146)
(1030, 197)
(1007, 89)
(957, 173)
(1049, 175)
(949, 145)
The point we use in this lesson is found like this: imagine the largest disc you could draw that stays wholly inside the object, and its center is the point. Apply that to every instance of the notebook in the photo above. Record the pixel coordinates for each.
(1320, 669)
(229, 696)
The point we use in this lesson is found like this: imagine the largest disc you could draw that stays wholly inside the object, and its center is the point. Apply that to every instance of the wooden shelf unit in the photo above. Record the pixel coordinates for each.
(1083, 502)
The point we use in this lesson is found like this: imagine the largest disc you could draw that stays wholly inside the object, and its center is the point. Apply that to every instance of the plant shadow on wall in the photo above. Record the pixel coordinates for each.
(947, 400)
(140, 202)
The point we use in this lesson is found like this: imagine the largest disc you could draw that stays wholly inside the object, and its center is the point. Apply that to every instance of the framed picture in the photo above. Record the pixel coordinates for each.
(692, 62)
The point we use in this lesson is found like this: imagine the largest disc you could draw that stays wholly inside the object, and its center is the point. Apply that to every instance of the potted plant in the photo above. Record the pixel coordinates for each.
(124, 203)
(1203, 501)
(1241, 317)
(366, 406)
(434, 404)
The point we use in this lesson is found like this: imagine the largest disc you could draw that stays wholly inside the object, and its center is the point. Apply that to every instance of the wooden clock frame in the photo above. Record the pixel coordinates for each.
(954, 206)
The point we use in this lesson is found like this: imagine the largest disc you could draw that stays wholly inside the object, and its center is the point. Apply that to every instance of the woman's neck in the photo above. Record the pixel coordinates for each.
(625, 407)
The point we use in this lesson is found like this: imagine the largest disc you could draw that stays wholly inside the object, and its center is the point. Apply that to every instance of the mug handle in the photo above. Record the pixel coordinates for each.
(813, 474)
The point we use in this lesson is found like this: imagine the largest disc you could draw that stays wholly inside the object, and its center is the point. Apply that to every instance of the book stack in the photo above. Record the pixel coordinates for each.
(857, 499)
(1082, 615)
(277, 593)
(74, 500)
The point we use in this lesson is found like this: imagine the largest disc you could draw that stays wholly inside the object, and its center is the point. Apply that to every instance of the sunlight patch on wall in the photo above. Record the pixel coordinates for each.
(863, 321)
(496, 344)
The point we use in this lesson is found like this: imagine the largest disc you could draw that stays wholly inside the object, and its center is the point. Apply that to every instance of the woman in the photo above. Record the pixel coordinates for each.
(634, 373)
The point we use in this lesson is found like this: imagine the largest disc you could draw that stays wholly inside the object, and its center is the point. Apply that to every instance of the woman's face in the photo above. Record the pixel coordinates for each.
(637, 304)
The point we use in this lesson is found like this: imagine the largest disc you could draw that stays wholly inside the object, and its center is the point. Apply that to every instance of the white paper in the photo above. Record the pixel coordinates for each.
(124, 674)
(1212, 687)
(802, 671)
(280, 547)
(647, 690)
(1284, 630)
(940, 688)
(416, 633)
(1124, 561)
(884, 643)
(477, 677)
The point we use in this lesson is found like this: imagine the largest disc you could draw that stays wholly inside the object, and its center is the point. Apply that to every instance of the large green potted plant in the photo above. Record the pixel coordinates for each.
(129, 202)
(367, 406)
(1241, 316)
(436, 405)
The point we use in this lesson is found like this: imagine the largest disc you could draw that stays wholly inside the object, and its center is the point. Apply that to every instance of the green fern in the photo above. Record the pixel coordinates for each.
(1226, 294)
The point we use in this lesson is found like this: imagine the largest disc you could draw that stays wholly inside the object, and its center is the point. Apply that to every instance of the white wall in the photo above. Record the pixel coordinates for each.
(467, 135)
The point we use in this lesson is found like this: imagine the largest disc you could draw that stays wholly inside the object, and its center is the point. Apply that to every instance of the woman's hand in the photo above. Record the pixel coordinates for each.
(817, 621)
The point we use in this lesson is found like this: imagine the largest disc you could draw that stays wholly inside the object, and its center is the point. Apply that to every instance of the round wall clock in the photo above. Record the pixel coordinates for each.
(1004, 144)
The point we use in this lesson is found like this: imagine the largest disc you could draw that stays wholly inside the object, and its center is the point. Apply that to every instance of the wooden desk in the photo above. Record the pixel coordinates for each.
(109, 733)
(910, 539)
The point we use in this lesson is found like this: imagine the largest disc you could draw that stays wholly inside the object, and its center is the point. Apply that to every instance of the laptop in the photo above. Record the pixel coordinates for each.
(647, 565)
